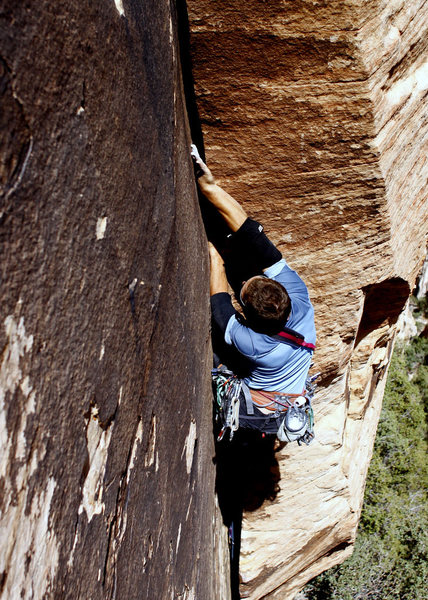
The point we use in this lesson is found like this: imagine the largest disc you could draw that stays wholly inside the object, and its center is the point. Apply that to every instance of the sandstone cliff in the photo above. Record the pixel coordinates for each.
(315, 115)
(105, 422)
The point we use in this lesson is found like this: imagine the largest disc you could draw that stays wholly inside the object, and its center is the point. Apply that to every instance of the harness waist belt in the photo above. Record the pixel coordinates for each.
(272, 400)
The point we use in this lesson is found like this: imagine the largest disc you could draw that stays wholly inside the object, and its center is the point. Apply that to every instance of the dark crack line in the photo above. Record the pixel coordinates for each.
(22, 170)
(115, 521)
(17, 175)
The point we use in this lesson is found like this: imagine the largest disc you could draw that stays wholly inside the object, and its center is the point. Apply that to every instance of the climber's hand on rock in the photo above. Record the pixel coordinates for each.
(203, 175)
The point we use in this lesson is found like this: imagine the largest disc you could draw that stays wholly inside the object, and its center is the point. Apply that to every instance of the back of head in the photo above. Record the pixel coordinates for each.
(266, 305)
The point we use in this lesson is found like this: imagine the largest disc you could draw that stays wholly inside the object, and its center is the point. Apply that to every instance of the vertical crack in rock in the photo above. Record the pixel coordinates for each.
(16, 142)
(26, 150)
(118, 522)
(187, 75)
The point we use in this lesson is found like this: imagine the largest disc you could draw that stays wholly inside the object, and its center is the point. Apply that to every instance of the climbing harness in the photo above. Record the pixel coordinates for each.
(290, 416)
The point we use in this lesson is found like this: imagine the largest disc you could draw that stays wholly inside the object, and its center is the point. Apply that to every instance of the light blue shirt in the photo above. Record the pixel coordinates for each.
(278, 366)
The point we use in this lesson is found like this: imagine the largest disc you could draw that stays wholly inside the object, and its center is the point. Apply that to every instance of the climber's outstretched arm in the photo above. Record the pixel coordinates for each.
(231, 211)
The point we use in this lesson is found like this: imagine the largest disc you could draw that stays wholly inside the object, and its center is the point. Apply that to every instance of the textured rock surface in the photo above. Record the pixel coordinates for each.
(106, 448)
(315, 116)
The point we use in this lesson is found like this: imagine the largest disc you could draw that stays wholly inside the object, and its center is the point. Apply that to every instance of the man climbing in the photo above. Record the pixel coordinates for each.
(271, 346)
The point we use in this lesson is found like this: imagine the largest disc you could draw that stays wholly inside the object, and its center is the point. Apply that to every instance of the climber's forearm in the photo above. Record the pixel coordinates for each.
(218, 279)
(231, 211)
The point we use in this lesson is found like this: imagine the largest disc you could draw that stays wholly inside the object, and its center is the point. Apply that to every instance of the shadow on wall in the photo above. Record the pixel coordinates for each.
(247, 476)
(214, 225)
(383, 303)
(247, 472)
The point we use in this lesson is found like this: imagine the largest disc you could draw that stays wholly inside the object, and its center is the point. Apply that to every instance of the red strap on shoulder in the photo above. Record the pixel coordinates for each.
(296, 340)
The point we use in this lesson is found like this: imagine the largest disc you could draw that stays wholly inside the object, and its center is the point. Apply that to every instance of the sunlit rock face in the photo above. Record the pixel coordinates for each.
(106, 472)
(315, 117)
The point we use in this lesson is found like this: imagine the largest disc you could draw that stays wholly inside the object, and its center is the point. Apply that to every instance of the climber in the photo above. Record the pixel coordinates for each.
(272, 343)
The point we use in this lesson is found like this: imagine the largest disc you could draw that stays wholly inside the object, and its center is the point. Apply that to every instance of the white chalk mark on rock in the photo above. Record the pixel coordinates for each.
(393, 34)
(137, 440)
(150, 456)
(71, 557)
(188, 508)
(189, 594)
(178, 538)
(101, 227)
(29, 553)
(132, 285)
(413, 84)
(119, 6)
(98, 441)
(32, 563)
(21, 446)
(189, 446)
(18, 343)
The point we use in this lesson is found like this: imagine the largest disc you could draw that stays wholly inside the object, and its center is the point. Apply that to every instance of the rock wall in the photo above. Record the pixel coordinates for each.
(106, 471)
(315, 116)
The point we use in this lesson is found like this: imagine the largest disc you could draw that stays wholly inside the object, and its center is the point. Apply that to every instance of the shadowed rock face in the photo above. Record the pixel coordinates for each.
(105, 421)
(315, 116)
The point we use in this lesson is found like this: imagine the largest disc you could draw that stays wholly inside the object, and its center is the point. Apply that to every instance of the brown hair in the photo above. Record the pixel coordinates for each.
(266, 305)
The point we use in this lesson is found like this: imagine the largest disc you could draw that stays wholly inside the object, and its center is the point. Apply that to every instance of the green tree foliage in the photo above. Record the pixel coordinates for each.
(390, 556)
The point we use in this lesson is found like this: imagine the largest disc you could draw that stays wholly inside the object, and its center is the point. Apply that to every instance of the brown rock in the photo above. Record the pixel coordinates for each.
(315, 117)
(105, 421)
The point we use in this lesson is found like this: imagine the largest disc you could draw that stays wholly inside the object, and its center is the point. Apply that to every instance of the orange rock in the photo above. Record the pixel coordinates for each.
(315, 117)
